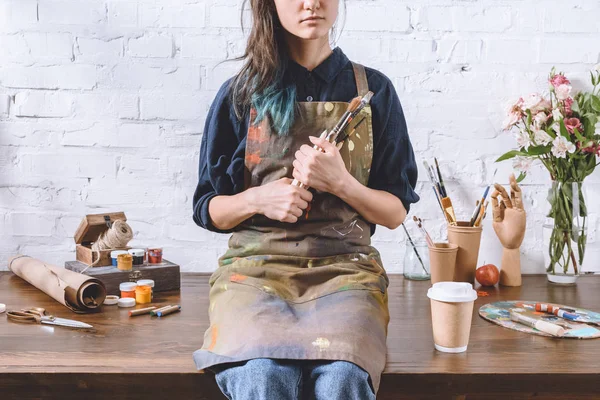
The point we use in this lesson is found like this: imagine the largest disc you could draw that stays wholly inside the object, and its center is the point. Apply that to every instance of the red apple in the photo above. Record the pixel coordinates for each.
(487, 275)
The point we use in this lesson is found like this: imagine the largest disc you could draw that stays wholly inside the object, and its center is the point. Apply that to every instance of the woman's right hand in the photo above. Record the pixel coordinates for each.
(281, 201)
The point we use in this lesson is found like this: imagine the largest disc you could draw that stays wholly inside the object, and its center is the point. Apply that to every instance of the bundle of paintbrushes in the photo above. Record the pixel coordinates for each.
(435, 177)
(481, 207)
(335, 135)
(419, 223)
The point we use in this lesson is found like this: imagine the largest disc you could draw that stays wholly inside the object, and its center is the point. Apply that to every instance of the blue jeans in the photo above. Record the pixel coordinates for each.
(266, 379)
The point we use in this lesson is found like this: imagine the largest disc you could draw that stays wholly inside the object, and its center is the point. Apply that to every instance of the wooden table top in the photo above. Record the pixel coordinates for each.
(151, 349)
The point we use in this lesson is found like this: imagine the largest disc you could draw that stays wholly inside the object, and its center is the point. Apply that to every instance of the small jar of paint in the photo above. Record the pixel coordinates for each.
(114, 254)
(128, 289)
(147, 282)
(143, 294)
(138, 256)
(155, 255)
(124, 262)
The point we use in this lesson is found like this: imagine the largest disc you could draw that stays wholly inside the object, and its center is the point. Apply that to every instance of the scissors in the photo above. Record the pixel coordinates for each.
(37, 315)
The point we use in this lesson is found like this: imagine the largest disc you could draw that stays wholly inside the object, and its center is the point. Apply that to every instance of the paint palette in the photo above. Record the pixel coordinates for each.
(582, 328)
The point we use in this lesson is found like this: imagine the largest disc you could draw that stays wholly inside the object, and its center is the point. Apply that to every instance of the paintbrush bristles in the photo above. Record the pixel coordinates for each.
(354, 104)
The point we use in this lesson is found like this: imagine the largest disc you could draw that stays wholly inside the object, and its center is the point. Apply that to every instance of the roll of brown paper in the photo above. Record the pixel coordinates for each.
(78, 292)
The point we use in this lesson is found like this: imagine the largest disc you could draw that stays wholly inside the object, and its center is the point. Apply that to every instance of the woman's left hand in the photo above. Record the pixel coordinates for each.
(323, 171)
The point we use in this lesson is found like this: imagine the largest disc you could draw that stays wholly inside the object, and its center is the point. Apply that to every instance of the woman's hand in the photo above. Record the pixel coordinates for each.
(281, 201)
(323, 171)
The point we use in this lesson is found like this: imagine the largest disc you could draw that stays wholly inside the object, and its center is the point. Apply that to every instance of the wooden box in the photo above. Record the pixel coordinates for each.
(166, 275)
(88, 231)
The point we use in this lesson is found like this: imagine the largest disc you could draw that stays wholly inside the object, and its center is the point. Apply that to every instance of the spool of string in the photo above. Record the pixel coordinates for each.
(116, 237)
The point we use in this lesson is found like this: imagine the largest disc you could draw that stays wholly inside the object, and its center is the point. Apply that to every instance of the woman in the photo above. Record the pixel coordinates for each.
(298, 305)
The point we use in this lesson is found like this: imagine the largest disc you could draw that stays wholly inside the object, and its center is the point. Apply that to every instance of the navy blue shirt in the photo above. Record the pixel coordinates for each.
(222, 150)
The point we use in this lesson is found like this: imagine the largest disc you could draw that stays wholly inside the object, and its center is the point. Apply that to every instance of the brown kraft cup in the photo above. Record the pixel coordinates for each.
(442, 261)
(468, 239)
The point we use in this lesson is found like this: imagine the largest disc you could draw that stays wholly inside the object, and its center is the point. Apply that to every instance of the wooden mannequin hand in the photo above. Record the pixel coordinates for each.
(509, 215)
(325, 172)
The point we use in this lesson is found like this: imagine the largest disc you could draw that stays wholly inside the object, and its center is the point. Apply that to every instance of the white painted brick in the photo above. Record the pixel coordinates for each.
(49, 45)
(43, 104)
(160, 46)
(175, 107)
(137, 135)
(481, 19)
(72, 12)
(134, 76)
(504, 51)
(32, 224)
(173, 16)
(52, 77)
(204, 46)
(433, 18)
(5, 101)
(460, 51)
(69, 165)
(106, 105)
(225, 16)
(370, 17)
(357, 48)
(123, 14)
(573, 18)
(18, 13)
(567, 50)
(411, 50)
(99, 49)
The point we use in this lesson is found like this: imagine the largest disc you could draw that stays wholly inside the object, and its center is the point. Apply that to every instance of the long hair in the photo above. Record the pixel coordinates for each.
(259, 83)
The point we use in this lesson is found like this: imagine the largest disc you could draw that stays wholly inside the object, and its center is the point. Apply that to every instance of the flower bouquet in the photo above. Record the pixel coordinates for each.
(562, 132)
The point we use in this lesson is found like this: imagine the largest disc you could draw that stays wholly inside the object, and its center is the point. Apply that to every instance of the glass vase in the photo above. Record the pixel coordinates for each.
(416, 260)
(565, 232)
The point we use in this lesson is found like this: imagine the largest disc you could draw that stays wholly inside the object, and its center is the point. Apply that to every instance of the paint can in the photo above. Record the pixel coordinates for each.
(128, 289)
(124, 262)
(114, 254)
(155, 255)
(138, 256)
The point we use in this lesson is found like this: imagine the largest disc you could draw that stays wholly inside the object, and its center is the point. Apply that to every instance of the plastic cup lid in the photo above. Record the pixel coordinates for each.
(126, 302)
(452, 292)
(2, 308)
(115, 253)
(127, 286)
(111, 300)
(145, 282)
(137, 252)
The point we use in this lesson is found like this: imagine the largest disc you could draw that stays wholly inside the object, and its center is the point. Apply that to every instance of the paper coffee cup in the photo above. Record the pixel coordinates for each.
(451, 315)
(468, 239)
(442, 260)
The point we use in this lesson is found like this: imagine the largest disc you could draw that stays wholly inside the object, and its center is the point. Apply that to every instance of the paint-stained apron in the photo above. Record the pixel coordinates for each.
(312, 290)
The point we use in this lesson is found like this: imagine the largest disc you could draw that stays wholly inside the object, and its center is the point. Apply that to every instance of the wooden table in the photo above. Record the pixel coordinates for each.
(148, 358)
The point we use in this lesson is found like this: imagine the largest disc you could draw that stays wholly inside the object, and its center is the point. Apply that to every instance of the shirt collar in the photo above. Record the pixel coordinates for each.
(327, 70)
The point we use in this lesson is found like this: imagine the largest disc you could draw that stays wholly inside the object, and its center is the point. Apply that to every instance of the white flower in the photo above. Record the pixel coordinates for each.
(523, 139)
(540, 119)
(531, 101)
(541, 137)
(597, 67)
(560, 147)
(563, 91)
(522, 164)
(556, 115)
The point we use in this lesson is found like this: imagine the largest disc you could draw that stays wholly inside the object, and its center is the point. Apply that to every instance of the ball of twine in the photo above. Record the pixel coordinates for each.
(117, 237)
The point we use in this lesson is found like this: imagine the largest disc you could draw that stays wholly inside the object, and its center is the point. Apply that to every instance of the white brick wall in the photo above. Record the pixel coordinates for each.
(103, 102)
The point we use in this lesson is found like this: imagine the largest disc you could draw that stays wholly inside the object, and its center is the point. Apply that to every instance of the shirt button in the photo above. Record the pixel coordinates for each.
(309, 98)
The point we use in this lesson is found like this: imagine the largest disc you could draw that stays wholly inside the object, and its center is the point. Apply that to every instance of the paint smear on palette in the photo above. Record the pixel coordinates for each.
(321, 343)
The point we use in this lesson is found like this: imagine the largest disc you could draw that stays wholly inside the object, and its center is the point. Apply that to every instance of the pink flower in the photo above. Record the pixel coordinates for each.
(572, 123)
(563, 92)
(568, 103)
(535, 103)
(558, 80)
(540, 119)
(514, 114)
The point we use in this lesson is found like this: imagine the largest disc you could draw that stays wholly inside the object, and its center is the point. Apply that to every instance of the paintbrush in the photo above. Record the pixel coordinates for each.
(433, 185)
(419, 223)
(345, 135)
(481, 215)
(477, 210)
(353, 109)
(414, 248)
(441, 180)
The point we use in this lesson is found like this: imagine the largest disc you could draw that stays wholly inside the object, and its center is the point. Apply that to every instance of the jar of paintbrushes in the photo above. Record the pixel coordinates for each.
(416, 258)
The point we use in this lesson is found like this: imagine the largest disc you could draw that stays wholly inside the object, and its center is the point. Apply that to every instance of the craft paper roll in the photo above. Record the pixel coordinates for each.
(78, 292)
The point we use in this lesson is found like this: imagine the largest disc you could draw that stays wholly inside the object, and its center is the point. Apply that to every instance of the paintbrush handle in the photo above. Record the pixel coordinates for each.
(296, 182)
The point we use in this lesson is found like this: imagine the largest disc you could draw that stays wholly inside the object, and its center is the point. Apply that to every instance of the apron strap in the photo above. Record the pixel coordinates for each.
(361, 79)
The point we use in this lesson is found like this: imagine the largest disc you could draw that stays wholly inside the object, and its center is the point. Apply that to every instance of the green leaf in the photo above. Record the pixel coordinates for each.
(522, 176)
(511, 154)
(538, 150)
(578, 135)
(563, 129)
(595, 102)
(575, 107)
